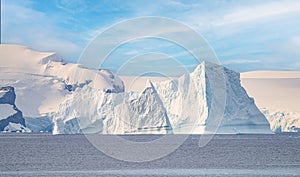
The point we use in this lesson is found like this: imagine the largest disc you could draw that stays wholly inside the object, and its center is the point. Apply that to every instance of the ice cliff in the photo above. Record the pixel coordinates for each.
(194, 93)
(183, 105)
(112, 113)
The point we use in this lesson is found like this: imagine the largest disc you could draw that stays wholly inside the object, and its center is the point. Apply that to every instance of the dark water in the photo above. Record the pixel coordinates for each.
(225, 155)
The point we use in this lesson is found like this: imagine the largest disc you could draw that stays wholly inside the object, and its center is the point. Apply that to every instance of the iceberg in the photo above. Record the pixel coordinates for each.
(179, 106)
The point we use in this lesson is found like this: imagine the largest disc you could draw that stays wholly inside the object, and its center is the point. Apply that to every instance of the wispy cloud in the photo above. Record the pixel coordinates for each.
(260, 11)
(15, 13)
(74, 6)
(240, 61)
(291, 47)
(25, 26)
(257, 33)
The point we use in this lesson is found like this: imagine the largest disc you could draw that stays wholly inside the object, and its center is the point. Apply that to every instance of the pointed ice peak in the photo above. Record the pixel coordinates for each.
(206, 67)
(200, 66)
(200, 69)
(207, 64)
(149, 86)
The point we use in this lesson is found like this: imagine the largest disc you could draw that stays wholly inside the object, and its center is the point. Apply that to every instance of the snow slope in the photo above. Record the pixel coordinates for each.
(277, 94)
(42, 80)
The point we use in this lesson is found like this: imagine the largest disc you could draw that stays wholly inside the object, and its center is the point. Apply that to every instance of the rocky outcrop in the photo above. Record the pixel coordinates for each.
(11, 118)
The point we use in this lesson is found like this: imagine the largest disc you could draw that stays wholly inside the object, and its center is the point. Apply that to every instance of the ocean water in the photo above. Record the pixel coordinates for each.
(225, 155)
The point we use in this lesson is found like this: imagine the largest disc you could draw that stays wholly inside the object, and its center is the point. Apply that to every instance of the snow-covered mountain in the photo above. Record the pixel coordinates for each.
(68, 98)
(42, 81)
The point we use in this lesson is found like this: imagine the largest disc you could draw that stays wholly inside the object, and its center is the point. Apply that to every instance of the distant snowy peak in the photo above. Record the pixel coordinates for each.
(23, 58)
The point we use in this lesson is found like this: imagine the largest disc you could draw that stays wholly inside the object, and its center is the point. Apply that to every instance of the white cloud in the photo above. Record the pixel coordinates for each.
(23, 25)
(293, 45)
(288, 53)
(74, 6)
(13, 13)
(235, 28)
(256, 12)
(240, 61)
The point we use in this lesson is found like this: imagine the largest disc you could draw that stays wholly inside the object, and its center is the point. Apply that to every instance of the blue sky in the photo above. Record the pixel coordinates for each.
(246, 35)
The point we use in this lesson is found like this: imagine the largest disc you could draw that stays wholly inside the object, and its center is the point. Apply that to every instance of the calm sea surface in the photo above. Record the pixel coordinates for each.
(224, 155)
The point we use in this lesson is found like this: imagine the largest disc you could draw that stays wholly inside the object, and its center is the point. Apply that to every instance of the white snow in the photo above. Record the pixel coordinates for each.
(277, 94)
(6, 110)
(13, 127)
(270, 74)
(41, 79)
(283, 121)
(137, 83)
(111, 113)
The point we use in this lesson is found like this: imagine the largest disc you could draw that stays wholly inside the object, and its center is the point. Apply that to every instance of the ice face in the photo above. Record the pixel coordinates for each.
(111, 113)
(183, 105)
